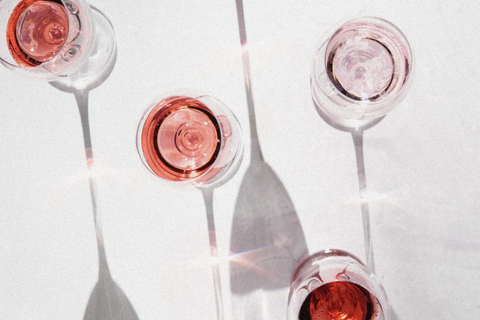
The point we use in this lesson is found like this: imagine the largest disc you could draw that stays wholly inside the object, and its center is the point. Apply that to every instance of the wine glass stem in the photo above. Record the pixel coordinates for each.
(256, 152)
(208, 199)
(357, 136)
(82, 102)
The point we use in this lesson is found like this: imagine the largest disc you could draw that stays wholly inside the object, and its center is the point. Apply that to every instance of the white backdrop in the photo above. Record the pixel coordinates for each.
(422, 161)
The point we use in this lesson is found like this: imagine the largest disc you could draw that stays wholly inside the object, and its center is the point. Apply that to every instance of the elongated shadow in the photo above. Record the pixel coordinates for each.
(267, 241)
(357, 137)
(107, 300)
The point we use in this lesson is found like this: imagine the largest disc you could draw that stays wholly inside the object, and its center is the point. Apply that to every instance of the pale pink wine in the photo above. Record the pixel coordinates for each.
(180, 138)
(367, 61)
(340, 300)
(37, 31)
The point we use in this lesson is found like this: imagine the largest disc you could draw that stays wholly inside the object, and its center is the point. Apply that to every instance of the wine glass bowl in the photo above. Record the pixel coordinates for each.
(361, 72)
(190, 140)
(334, 284)
(56, 40)
(43, 37)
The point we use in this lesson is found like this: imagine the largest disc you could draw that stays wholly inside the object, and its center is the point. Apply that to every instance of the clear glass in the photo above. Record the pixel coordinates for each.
(55, 39)
(361, 72)
(190, 140)
(72, 45)
(334, 285)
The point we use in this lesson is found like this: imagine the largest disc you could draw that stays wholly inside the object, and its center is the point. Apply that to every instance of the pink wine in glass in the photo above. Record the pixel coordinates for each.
(339, 300)
(361, 72)
(335, 285)
(366, 61)
(37, 31)
(180, 138)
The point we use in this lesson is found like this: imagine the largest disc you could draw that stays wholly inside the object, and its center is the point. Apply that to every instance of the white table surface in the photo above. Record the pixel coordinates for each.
(422, 162)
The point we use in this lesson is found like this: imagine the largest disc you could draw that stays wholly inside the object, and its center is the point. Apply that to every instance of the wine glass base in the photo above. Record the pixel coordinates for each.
(101, 61)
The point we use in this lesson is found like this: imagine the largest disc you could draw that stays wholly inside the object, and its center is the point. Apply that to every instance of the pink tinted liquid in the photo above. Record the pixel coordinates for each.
(366, 61)
(180, 139)
(363, 68)
(340, 300)
(36, 31)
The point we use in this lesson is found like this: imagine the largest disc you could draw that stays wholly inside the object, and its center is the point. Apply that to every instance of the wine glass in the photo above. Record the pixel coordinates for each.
(336, 285)
(65, 41)
(361, 72)
(71, 45)
(190, 140)
(194, 140)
